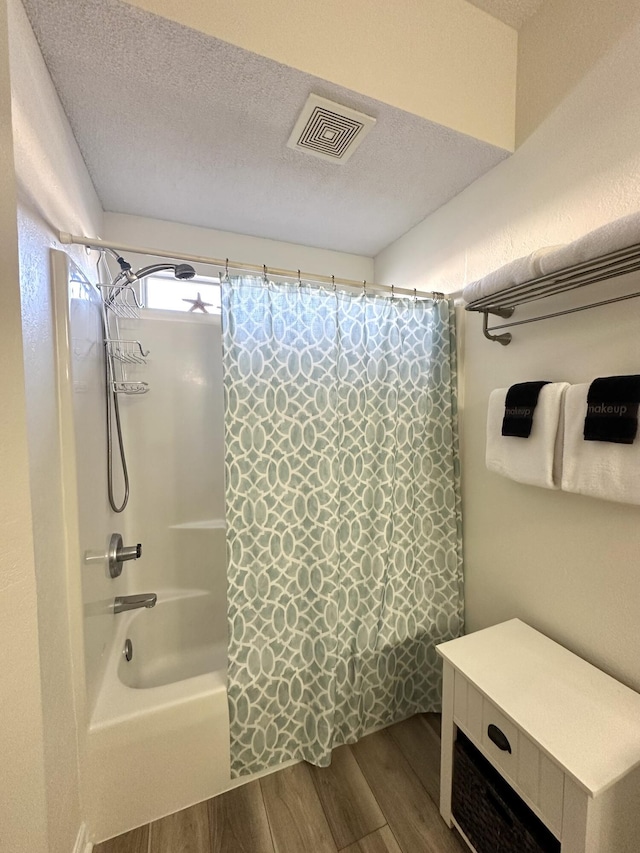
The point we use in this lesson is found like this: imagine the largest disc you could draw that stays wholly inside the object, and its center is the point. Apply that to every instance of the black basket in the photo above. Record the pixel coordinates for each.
(488, 810)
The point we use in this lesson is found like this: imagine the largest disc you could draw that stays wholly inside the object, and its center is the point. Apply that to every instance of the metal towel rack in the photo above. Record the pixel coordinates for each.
(504, 303)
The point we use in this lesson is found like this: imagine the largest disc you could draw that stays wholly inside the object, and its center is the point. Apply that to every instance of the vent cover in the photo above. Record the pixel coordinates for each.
(329, 131)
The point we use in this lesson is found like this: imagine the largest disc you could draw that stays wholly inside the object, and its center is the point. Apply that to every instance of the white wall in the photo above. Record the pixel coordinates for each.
(55, 192)
(558, 47)
(157, 234)
(566, 564)
(22, 782)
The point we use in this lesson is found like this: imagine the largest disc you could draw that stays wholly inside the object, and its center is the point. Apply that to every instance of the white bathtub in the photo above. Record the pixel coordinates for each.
(159, 735)
(176, 643)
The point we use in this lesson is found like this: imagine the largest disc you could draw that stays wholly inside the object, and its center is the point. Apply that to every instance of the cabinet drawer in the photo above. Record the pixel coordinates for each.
(529, 771)
(534, 776)
(500, 740)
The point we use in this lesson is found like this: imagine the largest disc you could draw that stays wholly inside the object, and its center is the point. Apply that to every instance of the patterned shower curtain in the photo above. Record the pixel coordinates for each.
(343, 514)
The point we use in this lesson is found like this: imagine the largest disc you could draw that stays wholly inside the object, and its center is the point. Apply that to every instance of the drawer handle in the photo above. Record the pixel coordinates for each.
(499, 807)
(499, 738)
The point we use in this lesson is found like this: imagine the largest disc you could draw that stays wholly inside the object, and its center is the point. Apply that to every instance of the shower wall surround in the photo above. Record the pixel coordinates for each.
(174, 440)
(174, 687)
(566, 564)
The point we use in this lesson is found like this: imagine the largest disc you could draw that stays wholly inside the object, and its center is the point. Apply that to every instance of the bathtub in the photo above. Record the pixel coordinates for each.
(158, 739)
(176, 644)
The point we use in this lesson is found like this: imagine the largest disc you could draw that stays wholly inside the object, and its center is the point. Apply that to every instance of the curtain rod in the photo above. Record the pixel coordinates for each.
(97, 243)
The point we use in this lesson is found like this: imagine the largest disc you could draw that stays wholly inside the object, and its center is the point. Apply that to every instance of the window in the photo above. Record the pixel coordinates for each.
(170, 294)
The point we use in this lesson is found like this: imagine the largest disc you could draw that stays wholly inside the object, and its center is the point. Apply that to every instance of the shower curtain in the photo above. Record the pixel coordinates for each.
(343, 514)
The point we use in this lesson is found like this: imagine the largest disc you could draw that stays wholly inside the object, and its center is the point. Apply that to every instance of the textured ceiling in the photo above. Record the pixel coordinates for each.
(176, 125)
(512, 12)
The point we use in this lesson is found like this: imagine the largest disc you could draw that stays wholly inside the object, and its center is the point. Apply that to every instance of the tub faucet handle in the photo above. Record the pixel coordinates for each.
(130, 552)
(118, 554)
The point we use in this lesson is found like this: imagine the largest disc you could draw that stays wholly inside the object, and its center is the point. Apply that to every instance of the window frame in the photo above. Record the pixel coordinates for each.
(205, 281)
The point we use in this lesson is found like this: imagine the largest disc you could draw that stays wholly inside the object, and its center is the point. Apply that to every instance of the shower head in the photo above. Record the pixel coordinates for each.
(184, 271)
(180, 271)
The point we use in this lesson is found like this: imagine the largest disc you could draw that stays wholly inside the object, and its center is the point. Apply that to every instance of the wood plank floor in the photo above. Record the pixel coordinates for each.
(378, 796)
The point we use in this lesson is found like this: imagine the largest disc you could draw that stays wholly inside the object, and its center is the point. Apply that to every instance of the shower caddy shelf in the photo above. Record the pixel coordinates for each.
(122, 302)
(577, 276)
(128, 387)
(128, 352)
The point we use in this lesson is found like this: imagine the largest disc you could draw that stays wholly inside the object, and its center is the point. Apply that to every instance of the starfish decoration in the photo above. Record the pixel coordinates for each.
(199, 305)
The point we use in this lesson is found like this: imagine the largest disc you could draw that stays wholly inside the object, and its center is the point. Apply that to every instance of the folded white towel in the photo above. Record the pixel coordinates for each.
(615, 235)
(509, 275)
(536, 460)
(599, 469)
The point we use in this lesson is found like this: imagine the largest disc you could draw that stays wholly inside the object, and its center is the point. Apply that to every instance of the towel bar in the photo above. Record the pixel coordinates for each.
(503, 303)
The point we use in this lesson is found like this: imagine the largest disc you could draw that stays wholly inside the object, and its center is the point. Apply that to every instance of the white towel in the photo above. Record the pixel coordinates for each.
(600, 469)
(537, 460)
(615, 235)
(509, 275)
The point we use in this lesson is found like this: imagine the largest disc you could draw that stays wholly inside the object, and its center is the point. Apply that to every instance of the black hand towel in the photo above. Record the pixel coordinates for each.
(519, 406)
(612, 409)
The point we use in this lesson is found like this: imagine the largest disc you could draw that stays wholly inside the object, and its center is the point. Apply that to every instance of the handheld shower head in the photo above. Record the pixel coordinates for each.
(182, 272)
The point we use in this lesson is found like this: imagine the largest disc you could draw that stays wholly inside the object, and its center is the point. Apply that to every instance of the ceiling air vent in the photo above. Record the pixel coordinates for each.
(329, 131)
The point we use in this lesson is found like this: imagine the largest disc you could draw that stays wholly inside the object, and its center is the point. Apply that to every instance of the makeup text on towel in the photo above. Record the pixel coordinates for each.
(612, 409)
(519, 408)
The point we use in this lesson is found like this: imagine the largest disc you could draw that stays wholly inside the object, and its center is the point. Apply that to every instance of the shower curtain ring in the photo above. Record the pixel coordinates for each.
(364, 286)
(392, 290)
(415, 295)
(264, 270)
(299, 279)
(226, 268)
(333, 283)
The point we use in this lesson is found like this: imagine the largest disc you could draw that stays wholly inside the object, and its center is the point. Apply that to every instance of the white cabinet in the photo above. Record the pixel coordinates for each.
(563, 734)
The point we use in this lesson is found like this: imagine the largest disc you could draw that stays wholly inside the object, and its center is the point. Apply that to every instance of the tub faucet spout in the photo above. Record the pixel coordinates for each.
(133, 602)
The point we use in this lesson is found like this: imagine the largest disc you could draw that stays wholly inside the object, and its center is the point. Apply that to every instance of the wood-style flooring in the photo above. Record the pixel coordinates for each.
(378, 796)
